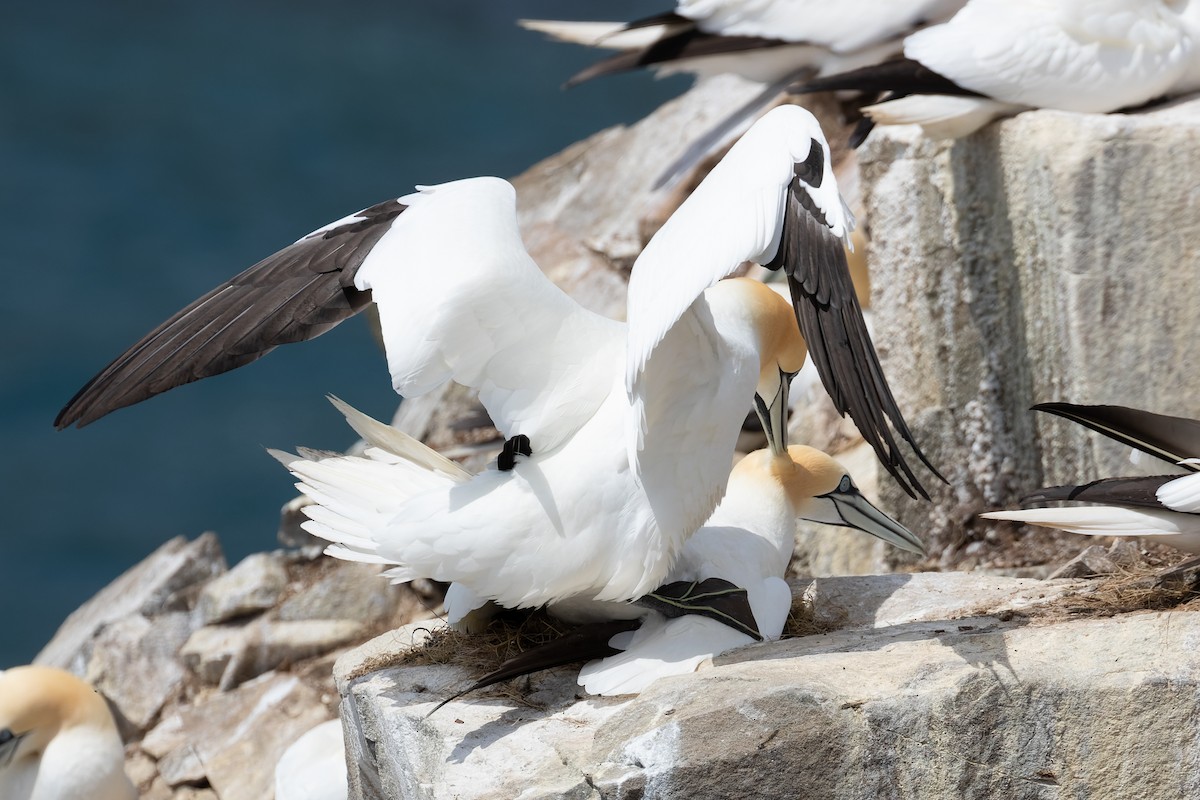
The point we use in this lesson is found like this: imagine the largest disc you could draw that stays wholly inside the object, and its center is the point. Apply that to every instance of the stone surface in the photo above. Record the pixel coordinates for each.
(238, 736)
(909, 700)
(145, 588)
(349, 592)
(226, 655)
(252, 586)
(1051, 256)
(133, 663)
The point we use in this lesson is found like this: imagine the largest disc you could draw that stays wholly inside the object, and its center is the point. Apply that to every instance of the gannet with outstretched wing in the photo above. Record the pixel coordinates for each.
(995, 58)
(1162, 506)
(625, 464)
(58, 740)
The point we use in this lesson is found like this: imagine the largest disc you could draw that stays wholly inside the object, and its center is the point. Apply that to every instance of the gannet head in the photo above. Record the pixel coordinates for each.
(781, 350)
(818, 489)
(37, 704)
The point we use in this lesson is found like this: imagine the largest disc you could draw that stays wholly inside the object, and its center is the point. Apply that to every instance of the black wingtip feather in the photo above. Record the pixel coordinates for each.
(832, 323)
(1171, 439)
(293, 295)
(582, 644)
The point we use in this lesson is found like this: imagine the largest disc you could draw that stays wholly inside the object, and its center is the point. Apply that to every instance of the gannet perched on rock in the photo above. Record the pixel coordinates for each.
(58, 740)
(747, 542)
(762, 40)
(772, 42)
(995, 58)
(1166, 507)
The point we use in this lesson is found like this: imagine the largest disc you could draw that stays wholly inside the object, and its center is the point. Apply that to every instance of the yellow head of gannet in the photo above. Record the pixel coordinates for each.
(805, 483)
(58, 740)
(747, 542)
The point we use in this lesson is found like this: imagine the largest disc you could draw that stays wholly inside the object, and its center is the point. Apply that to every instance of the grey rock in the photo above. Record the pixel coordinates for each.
(133, 663)
(254, 585)
(349, 592)
(164, 737)
(238, 736)
(145, 588)
(908, 701)
(227, 655)
(181, 766)
(1043, 258)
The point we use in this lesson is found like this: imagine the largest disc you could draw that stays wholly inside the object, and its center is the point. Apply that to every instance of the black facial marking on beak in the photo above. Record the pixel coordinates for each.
(9, 742)
(516, 446)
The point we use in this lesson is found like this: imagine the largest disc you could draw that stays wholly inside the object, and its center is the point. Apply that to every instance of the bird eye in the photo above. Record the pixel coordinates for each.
(6, 736)
(846, 484)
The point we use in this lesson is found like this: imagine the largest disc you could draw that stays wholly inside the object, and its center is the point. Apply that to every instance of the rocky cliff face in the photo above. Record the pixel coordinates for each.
(1052, 256)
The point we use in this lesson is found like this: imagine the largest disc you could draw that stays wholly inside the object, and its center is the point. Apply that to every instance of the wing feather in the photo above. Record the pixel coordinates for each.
(1173, 439)
(294, 295)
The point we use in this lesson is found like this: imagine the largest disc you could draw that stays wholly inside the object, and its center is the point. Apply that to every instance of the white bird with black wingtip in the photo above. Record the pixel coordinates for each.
(995, 58)
(607, 470)
(1164, 507)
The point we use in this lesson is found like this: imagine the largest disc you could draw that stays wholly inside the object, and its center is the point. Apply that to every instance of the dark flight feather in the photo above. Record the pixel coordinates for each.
(582, 644)
(1170, 438)
(1141, 492)
(688, 43)
(294, 295)
(889, 80)
(838, 342)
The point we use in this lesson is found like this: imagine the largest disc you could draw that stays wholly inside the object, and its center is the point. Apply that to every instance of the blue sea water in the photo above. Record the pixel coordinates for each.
(149, 151)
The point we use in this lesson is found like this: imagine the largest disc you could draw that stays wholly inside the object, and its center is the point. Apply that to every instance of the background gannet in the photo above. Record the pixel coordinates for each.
(998, 57)
(762, 40)
(314, 766)
(772, 42)
(58, 740)
(1166, 506)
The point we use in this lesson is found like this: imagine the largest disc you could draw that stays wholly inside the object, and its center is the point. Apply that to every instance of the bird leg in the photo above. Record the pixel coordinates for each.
(714, 598)
(516, 446)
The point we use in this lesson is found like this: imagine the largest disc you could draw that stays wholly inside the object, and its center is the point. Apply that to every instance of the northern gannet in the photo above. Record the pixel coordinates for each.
(995, 58)
(634, 456)
(747, 541)
(1166, 506)
(772, 42)
(762, 40)
(314, 766)
(58, 740)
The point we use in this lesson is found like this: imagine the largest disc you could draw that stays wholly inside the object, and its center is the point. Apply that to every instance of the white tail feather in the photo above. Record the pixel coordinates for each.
(1181, 530)
(940, 116)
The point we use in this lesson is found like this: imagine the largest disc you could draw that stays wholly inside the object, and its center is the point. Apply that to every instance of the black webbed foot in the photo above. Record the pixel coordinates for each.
(715, 598)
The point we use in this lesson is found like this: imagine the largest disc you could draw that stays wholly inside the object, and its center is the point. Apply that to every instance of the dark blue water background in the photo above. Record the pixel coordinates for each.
(149, 151)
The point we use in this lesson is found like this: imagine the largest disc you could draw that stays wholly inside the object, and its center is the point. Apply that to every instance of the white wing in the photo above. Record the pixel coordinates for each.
(1074, 55)
(735, 215)
(688, 406)
(460, 298)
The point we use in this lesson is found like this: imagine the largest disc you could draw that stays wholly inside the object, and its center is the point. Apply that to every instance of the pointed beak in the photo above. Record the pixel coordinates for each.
(856, 511)
(8, 747)
(774, 416)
